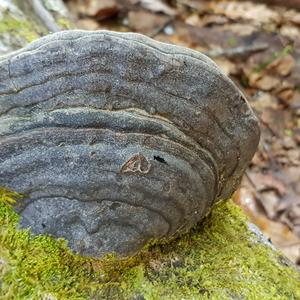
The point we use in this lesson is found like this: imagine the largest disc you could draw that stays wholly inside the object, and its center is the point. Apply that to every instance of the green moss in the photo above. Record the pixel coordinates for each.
(8, 197)
(18, 28)
(218, 259)
(65, 23)
(232, 42)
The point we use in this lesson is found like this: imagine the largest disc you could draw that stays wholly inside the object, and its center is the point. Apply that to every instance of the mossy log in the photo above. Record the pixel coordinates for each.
(224, 257)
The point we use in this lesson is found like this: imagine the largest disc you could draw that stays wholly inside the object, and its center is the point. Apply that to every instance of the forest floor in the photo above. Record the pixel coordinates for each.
(258, 46)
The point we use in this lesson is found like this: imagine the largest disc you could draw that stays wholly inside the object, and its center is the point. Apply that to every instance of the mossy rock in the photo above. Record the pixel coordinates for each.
(221, 258)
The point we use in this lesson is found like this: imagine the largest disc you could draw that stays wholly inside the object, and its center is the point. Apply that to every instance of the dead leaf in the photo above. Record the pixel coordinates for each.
(241, 28)
(269, 181)
(88, 24)
(263, 82)
(213, 19)
(226, 65)
(294, 156)
(245, 197)
(270, 201)
(158, 6)
(146, 22)
(281, 236)
(292, 16)
(295, 4)
(295, 104)
(194, 20)
(200, 7)
(257, 13)
(290, 31)
(263, 100)
(292, 218)
(101, 10)
(286, 95)
(288, 143)
(282, 65)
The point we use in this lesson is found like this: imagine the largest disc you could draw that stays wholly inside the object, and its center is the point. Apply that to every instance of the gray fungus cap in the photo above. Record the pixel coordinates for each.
(115, 139)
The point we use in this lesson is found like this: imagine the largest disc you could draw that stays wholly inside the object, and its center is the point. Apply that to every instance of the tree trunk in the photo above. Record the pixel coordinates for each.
(24, 21)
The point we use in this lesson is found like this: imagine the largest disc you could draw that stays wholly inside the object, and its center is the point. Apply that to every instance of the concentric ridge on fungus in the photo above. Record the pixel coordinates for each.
(115, 138)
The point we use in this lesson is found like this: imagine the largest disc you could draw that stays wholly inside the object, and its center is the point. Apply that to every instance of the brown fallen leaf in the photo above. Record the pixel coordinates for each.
(287, 3)
(228, 67)
(282, 65)
(288, 143)
(208, 20)
(269, 181)
(101, 10)
(157, 6)
(291, 217)
(256, 13)
(263, 100)
(292, 16)
(194, 20)
(281, 236)
(146, 22)
(245, 197)
(270, 200)
(262, 81)
(291, 31)
(241, 28)
(279, 233)
(200, 7)
(88, 24)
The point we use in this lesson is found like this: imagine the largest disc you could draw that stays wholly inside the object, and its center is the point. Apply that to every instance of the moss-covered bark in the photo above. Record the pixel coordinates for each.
(21, 22)
(222, 258)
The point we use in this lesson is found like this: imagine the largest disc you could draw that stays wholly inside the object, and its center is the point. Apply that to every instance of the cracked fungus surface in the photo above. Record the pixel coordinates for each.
(218, 259)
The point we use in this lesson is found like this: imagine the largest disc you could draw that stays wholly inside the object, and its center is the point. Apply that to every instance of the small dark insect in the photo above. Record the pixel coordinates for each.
(160, 159)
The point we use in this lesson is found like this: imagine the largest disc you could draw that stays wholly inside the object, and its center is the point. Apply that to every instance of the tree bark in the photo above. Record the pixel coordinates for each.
(23, 21)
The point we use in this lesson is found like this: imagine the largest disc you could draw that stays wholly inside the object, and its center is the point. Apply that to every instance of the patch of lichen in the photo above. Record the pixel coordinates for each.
(20, 29)
(218, 259)
(65, 23)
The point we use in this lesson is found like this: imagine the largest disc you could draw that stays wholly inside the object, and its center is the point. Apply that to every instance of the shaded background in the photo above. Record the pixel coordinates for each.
(258, 46)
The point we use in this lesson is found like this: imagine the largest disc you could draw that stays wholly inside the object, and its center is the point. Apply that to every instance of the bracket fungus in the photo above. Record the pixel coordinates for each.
(116, 139)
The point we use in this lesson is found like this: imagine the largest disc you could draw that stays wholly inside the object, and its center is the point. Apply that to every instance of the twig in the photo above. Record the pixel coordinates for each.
(161, 28)
(237, 51)
(267, 126)
(250, 180)
(45, 16)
